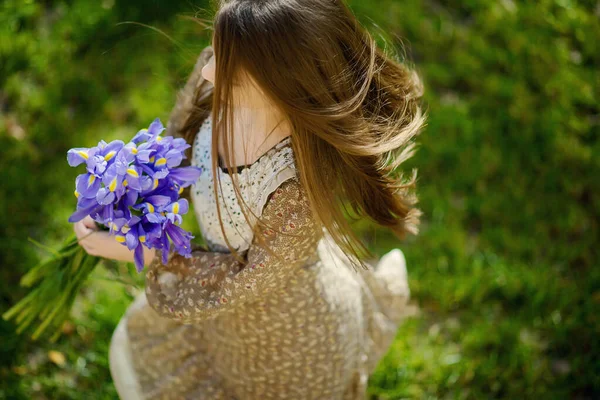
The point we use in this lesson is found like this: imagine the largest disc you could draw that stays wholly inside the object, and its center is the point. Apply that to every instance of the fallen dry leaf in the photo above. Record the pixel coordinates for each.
(57, 357)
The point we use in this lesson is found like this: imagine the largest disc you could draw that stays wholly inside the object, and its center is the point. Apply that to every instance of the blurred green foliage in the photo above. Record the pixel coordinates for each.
(504, 269)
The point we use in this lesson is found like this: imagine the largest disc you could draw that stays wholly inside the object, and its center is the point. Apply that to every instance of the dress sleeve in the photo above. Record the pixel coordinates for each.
(210, 283)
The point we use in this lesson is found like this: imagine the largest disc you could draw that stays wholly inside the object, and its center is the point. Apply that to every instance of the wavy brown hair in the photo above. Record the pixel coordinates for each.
(353, 108)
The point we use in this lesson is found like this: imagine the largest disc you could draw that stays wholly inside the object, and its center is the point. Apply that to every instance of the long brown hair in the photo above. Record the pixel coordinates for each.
(353, 108)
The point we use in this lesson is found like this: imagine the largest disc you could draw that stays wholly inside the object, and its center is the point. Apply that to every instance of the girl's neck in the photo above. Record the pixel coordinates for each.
(257, 128)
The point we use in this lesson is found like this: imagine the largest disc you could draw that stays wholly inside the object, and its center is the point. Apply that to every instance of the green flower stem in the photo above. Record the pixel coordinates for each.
(54, 284)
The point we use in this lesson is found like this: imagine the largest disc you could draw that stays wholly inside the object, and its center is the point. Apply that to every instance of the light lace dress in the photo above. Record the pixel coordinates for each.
(210, 327)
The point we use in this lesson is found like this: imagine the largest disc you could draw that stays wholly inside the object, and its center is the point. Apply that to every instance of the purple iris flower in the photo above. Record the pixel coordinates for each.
(152, 207)
(87, 185)
(144, 135)
(134, 189)
(113, 186)
(141, 232)
(180, 237)
(144, 152)
(85, 207)
(180, 145)
(175, 210)
(131, 173)
(122, 209)
(96, 158)
(185, 176)
(117, 223)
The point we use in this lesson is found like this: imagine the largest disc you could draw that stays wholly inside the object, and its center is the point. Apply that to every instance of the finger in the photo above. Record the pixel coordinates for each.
(77, 229)
(81, 231)
(89, 223)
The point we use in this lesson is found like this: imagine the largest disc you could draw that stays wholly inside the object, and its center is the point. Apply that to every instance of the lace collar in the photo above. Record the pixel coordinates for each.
(281, 151)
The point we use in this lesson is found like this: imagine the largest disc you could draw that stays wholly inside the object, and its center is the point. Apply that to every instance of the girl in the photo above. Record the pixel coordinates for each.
(281, 304)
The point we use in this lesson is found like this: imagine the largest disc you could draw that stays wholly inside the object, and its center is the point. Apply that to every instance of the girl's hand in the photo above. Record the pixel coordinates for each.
(88, 235)
(100, 244)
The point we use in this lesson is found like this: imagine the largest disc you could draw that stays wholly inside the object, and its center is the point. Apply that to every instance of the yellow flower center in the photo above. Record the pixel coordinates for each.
(110, 155)
(133, 172)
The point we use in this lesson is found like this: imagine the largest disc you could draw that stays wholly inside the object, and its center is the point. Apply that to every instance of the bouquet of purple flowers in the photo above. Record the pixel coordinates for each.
(133, 190)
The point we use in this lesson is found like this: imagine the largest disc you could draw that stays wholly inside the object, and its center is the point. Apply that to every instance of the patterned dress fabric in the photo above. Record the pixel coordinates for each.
(301, 323)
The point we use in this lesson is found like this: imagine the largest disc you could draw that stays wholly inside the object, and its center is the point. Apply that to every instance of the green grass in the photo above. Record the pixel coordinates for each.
(504, 270)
